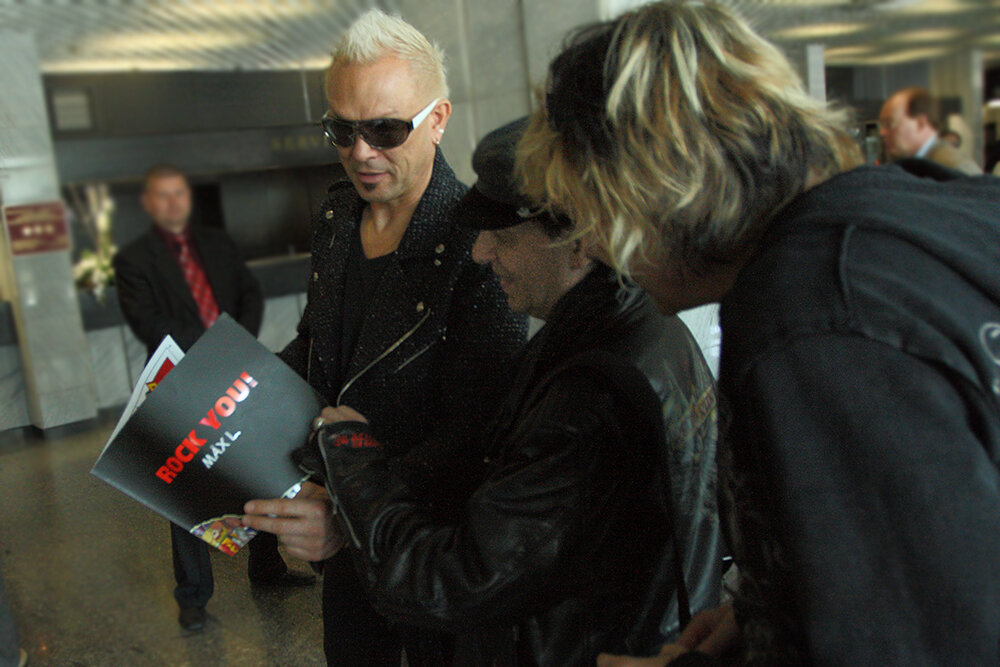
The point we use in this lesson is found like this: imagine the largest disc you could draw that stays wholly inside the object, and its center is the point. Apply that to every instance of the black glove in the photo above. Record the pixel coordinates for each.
(348, 445)
(337, 455)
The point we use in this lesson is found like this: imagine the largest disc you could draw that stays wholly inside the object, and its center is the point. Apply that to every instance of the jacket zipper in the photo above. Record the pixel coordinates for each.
(309, 361)
(415, 355)
(386, 353)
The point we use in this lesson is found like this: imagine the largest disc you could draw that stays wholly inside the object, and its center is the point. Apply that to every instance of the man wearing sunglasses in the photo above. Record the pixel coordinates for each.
(400, 322)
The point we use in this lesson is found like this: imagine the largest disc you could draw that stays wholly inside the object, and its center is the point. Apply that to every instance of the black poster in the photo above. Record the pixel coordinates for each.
(217, 431)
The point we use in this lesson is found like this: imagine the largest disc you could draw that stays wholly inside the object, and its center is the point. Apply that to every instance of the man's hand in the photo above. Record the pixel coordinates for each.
(666, 655)
(713, 631)
(343, 413)
(304, 524)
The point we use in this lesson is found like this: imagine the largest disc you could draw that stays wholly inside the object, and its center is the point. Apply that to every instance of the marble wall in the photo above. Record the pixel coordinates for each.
(497, 52)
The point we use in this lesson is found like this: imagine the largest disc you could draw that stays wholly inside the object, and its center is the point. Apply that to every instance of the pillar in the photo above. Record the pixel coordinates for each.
(961, 75)
(37, 272)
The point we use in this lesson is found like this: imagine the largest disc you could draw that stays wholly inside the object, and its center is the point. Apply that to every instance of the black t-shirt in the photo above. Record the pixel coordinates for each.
(361, 280)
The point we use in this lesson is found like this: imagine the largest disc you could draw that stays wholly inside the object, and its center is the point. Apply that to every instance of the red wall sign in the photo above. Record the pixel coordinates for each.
(34, 228)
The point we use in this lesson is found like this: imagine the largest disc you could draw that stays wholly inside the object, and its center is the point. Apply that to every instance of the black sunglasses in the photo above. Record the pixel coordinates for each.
(379, 133)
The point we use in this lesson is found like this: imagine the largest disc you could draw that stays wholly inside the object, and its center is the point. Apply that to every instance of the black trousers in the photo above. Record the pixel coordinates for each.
(193, 566)
(355, 635)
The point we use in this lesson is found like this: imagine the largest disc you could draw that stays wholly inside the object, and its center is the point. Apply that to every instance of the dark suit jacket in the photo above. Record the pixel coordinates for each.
(155, 298)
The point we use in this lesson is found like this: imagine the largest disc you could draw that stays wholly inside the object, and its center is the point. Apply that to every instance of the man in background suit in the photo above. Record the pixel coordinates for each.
(177, 279)
(909, 128)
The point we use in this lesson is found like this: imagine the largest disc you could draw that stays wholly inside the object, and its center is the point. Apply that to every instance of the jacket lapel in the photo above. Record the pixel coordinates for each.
(404, 299)
(326, 294)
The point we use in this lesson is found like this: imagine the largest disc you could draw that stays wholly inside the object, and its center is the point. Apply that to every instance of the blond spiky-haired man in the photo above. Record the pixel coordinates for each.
(400, 321)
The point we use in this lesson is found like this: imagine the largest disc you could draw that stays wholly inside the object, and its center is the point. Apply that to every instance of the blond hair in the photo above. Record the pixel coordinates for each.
(376, 34)
(676, 125)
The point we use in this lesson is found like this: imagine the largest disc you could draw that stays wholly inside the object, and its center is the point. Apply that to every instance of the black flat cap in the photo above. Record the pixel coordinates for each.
(494, 202)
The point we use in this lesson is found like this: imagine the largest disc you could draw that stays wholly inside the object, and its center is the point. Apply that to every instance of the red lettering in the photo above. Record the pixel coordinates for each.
(238, 391)
(184, 452)
(225, 406)
(194, 441)
(355, 441)
(190, 446)
(210, 420)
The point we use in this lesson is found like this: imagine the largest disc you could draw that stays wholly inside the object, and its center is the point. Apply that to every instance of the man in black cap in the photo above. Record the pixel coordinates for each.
(565, 548)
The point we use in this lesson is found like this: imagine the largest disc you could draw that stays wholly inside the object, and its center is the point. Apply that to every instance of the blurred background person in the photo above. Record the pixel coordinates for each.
(908, 124)
(952, 137)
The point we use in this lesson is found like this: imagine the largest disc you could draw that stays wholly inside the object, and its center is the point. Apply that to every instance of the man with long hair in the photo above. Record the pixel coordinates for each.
(860, 315)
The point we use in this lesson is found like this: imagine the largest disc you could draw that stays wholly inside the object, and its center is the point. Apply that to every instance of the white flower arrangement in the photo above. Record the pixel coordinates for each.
(93, 270)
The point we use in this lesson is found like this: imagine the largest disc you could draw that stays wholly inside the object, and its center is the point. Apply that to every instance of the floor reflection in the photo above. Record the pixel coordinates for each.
(88, 573)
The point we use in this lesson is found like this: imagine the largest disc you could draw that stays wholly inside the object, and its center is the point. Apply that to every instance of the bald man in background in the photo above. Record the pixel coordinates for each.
(909, 129)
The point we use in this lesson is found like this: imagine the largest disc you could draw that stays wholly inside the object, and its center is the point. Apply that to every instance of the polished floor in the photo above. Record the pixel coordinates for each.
(88, 573)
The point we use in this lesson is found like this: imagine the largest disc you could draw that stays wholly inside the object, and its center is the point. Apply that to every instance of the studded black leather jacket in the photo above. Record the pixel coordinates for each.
(435, 342)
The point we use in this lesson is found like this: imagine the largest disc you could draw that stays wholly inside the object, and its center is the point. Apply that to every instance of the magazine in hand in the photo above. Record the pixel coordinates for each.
(217, 431)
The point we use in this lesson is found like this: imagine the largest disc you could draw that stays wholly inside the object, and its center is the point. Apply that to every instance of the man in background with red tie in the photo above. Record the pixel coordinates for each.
(177, 279)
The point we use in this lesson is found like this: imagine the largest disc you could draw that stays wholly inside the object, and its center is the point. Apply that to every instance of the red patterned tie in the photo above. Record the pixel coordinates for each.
(200, 289)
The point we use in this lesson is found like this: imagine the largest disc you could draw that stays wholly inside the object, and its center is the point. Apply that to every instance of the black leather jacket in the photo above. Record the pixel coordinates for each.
(563, 551)
(438, 328)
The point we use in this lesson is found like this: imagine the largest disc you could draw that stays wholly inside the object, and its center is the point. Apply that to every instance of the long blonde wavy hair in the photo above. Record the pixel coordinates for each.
(676, 126)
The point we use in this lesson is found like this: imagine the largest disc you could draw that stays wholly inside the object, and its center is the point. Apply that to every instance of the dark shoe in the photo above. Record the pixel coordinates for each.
(192, 619)
(288, 579)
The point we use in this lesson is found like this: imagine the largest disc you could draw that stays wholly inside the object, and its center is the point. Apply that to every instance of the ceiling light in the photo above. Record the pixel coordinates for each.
(819, 30)
(930, 6)
(792, 3)
(87, 65)
(838, 51)
(926, 35)
(847, 55)
(909, 55)
(130, 43)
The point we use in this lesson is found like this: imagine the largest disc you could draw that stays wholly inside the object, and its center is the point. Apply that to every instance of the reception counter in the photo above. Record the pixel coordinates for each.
(117, 356)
